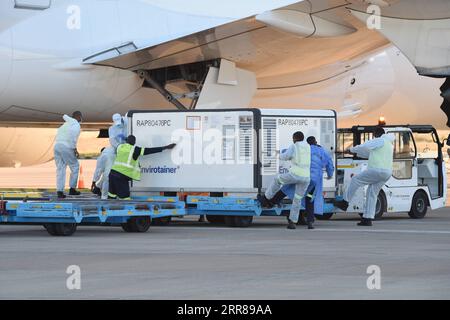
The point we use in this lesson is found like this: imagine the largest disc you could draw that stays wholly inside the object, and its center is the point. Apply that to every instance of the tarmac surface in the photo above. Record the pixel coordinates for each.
(192, 260)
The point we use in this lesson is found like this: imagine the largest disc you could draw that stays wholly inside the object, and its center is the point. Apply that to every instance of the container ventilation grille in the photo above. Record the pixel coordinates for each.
(269, 157)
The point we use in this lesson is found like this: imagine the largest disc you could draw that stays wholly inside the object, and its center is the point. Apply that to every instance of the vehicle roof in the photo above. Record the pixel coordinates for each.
(415, 128)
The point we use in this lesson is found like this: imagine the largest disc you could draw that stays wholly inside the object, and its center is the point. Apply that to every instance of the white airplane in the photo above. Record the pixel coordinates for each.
(108, 56)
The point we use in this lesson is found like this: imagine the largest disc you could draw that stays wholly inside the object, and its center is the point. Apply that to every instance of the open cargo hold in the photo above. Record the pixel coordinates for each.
(223, 151)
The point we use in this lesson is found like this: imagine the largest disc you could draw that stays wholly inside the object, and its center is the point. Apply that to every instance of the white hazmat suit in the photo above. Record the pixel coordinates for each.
(118, 131)
(299, 174)
(104, 164)
(65, 153)
(379, 151)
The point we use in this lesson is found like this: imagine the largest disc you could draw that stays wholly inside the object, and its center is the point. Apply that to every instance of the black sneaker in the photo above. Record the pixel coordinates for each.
(291, 225)
(74, 192)
(61, 195)
(365, 223)
(341, 204)
(310, 226)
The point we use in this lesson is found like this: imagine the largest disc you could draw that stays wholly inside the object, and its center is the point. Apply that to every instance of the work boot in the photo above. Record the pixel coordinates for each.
(61, 195)
(365, 223)
(74, 192)
(291, 225)
(310, 226)
(279, 196)
(265, 203)
(341, 204)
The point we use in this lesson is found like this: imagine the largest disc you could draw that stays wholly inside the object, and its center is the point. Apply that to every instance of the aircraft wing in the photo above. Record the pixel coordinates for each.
(316, 39)
(187, 34)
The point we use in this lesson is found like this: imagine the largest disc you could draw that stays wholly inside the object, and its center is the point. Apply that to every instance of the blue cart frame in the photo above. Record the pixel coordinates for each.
(61, 218)
(235, 211)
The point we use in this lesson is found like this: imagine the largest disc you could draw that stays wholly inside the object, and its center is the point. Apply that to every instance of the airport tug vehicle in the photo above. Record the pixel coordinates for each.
(419, 178)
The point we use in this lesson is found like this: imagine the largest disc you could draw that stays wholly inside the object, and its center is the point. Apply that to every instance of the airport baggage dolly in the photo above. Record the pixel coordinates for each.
(61, 218)
(234, 211)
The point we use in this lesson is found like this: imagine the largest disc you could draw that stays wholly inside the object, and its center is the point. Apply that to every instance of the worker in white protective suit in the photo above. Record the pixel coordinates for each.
(380, 152)
(118, 131)
(299, 175)
(66, 154)
(101, 175)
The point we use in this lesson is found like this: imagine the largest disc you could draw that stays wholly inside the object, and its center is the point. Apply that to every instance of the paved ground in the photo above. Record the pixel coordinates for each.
(190, 260)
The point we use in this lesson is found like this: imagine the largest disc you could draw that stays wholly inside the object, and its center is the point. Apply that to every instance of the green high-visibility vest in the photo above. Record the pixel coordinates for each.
(382, 158)
(301, 162)
(125, 164)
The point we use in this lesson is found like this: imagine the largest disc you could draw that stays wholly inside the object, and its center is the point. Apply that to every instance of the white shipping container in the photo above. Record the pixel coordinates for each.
(232, 150)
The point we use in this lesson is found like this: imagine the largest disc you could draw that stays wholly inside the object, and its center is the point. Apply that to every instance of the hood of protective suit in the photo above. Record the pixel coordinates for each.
(68, 118)
(117, 118)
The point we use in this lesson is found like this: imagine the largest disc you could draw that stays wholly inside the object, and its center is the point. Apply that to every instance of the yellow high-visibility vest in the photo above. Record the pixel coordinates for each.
(301, 162)
(125, 164)
(382, 158)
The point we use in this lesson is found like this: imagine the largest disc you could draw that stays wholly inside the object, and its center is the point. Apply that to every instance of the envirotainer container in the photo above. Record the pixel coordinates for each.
(223, 150)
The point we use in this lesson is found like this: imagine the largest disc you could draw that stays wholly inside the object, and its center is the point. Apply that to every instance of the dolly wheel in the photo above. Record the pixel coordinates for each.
(61, 229)
(238, 221)
(164, 221)
(126, 227)
(139, 224)
(215, 219)
(243, 222)
(325, 216)
(229, 221)
(50, 227)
